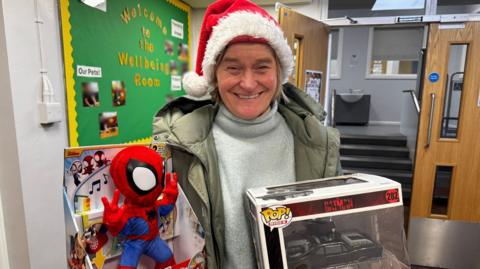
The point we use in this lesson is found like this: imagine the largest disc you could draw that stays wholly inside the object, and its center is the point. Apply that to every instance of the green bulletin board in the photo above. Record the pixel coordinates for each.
(123, 61)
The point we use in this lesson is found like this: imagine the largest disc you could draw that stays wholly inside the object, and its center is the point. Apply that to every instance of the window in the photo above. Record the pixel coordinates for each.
(394, 52)
(336, 53)
(297, 60)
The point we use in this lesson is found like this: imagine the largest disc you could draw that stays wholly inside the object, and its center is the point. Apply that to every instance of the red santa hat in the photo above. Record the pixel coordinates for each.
(233, 21)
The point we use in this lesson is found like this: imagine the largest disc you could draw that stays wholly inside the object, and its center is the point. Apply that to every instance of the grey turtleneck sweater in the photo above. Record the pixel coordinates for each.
(251, 154)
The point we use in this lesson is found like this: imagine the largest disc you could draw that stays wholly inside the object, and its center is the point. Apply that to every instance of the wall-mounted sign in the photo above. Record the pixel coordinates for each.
(433, 77)
(122, 63)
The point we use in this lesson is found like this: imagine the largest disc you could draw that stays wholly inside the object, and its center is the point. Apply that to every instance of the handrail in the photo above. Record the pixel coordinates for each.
(414, 99)
(430, 120)
(332, 114)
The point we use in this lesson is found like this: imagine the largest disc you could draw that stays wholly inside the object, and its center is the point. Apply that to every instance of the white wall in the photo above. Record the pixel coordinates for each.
(10, 184)
(196, 22)
(385, 93)
(31, 157)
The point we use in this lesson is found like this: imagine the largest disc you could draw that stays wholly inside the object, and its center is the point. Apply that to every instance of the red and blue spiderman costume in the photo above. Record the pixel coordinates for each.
(138, 174)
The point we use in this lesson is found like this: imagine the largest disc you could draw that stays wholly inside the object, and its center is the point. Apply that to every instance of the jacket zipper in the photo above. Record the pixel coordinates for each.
(205, 169)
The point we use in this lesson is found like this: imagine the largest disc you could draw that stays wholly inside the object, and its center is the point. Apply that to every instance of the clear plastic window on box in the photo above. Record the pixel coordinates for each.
(344, 222)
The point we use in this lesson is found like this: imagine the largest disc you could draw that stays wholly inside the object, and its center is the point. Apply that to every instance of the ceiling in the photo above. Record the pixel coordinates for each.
(333, 4)
(368, 4)
(205, 3)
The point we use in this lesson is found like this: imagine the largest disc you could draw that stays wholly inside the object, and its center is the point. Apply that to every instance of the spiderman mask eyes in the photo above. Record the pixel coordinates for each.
(142, 177)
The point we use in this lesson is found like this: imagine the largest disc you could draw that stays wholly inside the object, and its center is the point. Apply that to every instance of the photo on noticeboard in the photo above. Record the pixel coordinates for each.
(182, 51)
(90, 94)
(168, 47)
(119, 93)
(108, 124)
(173, 67)
(184, 68)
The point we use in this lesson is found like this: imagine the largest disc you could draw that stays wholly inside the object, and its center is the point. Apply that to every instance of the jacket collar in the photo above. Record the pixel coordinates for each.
(300, 103)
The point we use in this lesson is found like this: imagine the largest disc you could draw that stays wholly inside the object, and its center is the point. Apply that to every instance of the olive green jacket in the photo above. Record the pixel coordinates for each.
(186, 124)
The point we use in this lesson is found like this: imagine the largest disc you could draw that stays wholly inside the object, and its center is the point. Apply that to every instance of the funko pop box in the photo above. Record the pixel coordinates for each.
(353, 221)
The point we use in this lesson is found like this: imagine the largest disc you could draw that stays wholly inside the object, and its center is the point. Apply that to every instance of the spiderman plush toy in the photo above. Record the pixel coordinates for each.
(138, 174)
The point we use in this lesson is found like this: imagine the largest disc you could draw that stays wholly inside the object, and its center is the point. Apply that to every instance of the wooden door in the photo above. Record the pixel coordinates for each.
(446, 182)
(308, 39)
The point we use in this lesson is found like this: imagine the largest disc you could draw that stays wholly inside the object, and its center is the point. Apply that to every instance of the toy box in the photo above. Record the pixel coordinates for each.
(89, 246)
(353, 221)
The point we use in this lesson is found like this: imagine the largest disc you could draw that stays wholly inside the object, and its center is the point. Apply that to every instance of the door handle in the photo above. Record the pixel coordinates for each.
(430, 119)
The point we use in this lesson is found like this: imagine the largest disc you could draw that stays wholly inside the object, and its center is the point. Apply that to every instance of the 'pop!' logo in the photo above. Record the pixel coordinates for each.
(276, 216)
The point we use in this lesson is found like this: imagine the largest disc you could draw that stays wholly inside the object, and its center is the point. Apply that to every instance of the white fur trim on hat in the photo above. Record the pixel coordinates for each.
(251, 24)
(194, 84)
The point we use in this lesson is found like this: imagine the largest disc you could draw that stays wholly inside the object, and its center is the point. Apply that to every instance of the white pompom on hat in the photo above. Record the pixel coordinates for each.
(234, 21)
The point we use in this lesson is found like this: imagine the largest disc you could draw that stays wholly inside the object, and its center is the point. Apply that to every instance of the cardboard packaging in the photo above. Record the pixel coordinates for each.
(89, 246)
(353, 221)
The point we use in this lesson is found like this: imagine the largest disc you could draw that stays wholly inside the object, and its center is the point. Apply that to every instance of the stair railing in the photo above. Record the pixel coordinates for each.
(332, 111)
(414, 99)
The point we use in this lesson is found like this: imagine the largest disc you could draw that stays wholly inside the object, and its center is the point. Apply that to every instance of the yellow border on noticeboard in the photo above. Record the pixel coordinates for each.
(69, 71)
(69, 81)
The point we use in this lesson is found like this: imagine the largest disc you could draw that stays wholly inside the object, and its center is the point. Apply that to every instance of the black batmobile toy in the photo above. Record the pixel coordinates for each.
(305, 251)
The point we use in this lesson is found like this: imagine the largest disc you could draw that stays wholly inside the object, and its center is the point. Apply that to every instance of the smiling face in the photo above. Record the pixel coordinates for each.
(247, 79)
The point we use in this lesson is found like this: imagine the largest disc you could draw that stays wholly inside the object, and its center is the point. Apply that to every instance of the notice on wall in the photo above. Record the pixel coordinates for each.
(122, 64)
(313, 84)
(89, 71)
(176, 83)
(177, 29)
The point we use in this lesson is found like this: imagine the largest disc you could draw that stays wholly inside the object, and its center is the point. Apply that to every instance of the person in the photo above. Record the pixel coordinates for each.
(242, 127)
